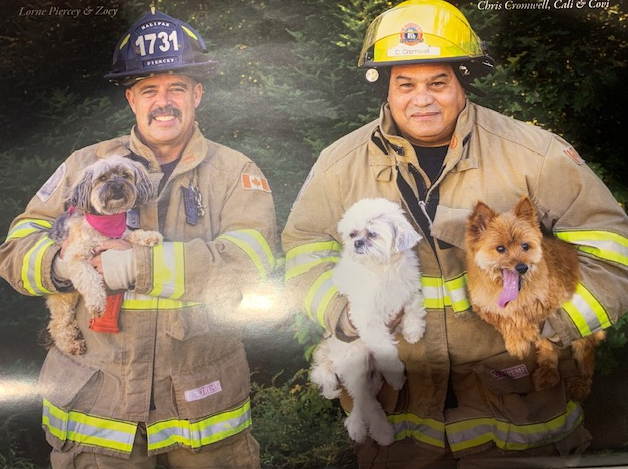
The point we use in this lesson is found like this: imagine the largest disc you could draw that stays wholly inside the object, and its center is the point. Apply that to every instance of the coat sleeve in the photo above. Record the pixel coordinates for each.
(581, 210)
(27, 254)
(312, 248)
(239, 256)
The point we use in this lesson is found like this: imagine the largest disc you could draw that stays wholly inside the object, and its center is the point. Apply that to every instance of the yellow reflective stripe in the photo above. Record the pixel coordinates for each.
(124, 41)
(168, 270)
(601, 244)
(471, 433)
(135, 301)
(32, 267)
(319, 296)
(196, 434)
(302, 258)
(457, 289)
(426, 430)
(434, 292)
(586, 311)
(440, 294)
(253, 243)
(90, 430)
(29, 226)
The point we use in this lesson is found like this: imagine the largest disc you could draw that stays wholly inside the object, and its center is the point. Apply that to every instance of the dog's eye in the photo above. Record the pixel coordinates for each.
(525, 246)
(372, 235)
(102, 178)
(500, 249)
(353, 234)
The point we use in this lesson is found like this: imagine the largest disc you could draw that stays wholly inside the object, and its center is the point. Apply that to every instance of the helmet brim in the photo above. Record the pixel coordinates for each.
(198, 71)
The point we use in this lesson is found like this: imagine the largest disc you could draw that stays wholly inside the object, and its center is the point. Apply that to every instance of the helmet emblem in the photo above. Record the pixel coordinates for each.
(411, 34)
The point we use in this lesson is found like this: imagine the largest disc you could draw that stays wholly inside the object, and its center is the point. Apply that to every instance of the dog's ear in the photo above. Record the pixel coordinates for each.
(143, 184)
(406, 236)
(479, 219)
(524, 209)
(81, 191)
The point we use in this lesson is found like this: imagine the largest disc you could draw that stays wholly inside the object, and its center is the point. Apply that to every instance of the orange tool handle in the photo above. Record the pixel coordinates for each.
(108, 322)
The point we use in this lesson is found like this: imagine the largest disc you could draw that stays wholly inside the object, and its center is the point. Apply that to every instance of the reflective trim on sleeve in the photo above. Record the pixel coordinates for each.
(168, 270)
(425, 430)
(601, 244)
(29, 226)
(253, 243)
(302, 258)
(319, 296)
(137, 302)
(32, 271)
(440, 294)
(587, 312)
(194, 435)
(89, 430)
(471, 433)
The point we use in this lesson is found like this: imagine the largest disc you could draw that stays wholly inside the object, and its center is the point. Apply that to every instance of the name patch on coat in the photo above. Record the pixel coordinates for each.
(514, 372)
(203, 391)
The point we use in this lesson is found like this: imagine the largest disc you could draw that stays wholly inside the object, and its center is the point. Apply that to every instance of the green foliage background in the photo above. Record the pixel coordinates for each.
(287, 87)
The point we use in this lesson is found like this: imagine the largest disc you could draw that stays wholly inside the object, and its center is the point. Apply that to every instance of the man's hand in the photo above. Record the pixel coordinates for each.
(115, 244)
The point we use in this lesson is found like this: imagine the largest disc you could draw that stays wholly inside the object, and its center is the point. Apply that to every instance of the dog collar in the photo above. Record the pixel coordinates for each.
(112, 226)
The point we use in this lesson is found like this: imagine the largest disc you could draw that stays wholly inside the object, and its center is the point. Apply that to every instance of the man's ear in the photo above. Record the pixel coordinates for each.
(130, 97)
(198, 94)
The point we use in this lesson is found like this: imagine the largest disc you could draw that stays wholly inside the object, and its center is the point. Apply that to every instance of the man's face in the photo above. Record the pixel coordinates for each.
(164, 107)
(425, 101)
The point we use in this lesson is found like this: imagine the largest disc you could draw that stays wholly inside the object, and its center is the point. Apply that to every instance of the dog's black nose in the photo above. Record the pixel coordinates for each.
(358, 243)
(521, 268)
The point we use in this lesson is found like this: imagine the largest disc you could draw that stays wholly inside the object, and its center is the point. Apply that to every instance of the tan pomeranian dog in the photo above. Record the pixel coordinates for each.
(517, 278)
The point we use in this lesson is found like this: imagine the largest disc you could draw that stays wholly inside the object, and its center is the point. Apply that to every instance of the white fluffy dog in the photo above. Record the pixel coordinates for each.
(379, 274)
(98, 204)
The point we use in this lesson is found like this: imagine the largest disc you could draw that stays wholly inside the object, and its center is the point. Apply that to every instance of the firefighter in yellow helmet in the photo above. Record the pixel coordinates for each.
(466, 403)
(168, 382)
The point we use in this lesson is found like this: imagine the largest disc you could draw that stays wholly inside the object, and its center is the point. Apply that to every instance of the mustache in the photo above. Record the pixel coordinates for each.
(168, 110)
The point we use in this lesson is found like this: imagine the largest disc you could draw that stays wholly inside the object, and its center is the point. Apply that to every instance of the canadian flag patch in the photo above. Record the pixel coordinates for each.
(254, 183)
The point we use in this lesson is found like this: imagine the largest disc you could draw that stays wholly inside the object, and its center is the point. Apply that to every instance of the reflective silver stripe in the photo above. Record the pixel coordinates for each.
(197, 434)
(89, 430)
(426, 430)
(26, 227)
(303, 258)
(471, 433)
(135, 301)
(32, 276)
(319, 296)
(168, 270)
(587, 312)
(253, 243)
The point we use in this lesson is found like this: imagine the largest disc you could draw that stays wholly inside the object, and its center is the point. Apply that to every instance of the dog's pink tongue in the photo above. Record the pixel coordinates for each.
(511, 287)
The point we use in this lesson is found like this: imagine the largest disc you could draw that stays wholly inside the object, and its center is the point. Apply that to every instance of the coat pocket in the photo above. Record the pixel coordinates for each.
(213, 388)
(67, 383)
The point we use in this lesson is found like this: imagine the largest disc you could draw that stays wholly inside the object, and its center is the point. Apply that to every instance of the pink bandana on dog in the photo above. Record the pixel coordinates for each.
(112, 226)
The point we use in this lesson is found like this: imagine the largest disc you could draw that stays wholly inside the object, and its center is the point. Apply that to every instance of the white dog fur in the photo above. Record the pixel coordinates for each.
(379, 274)
(107, 187)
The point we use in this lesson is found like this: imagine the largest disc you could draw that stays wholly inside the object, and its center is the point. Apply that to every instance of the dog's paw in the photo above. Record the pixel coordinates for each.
(325, 378)
(545, 377)
(413, 328)
(395, 379)
(356, 427)
(382, 432)
(145, 238)
(578, 389)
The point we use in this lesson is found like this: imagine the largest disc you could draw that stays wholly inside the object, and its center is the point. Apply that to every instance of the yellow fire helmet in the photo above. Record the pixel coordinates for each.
(423, 31)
